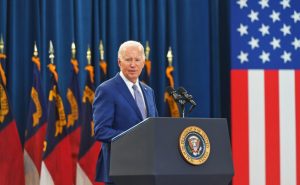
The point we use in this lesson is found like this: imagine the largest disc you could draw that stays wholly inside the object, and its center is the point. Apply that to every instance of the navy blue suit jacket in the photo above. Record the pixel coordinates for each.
(114, 111)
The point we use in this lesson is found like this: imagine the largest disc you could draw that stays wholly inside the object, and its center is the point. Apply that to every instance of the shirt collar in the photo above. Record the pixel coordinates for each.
(129, 83)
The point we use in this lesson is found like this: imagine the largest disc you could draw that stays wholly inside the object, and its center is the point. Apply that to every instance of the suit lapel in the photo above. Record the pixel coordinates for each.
(124, 91)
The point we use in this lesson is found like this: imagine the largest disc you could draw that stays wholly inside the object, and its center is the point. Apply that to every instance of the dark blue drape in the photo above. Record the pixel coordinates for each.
(190, 27)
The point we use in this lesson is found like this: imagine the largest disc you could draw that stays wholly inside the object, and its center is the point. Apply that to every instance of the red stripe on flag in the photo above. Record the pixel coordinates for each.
(89, 160)
(11, 156)
(34, 147)
(272, 127)
(239, 126)
(59, 163)
(74, 138)
(297, 94)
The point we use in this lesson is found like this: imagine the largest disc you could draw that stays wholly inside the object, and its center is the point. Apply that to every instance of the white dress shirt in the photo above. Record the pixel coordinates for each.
(129, 84)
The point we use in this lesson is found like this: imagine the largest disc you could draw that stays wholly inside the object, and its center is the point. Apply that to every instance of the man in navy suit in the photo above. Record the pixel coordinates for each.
(121, 102)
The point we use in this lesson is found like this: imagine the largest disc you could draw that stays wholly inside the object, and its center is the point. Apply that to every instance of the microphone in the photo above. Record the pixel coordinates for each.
(186, 96)
(173, 93)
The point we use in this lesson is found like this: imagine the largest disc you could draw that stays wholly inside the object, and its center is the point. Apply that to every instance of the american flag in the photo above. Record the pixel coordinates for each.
(265, 91)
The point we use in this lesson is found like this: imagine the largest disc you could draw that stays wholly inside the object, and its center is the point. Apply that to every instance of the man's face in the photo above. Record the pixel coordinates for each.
(132, 63)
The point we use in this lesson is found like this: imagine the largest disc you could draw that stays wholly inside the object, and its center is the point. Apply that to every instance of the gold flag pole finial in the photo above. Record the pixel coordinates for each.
(101, 49)
(35, 50)
(147, 52)
(88, 55)
(1, 45)
(73, 50)
(170, 56)
(51, 52)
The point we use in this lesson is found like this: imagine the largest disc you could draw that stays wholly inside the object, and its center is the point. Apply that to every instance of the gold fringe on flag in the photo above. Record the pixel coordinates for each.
(2, 73)
(169, 71)
(2, 56)
(38, 107)
(52, 68)
(74, 62)
(73, 116)
(90, 70)
(103, 66)
(148, 67)
(61, 122)
(88, 93)
(4, 108)
(37, 62)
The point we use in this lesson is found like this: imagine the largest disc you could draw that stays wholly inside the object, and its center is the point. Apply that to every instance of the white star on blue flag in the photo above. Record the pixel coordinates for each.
(265, 34)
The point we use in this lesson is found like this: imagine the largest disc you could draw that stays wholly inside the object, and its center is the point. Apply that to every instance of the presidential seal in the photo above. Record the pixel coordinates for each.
(194, 145)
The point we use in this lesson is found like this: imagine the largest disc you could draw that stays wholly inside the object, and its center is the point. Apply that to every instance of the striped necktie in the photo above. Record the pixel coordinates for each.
(139, 101)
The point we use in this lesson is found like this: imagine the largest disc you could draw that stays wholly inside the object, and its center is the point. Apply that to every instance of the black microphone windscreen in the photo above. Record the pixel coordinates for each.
(169, 89)
(181, 90)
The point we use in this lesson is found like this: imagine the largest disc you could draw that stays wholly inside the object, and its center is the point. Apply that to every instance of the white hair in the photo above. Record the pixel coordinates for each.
(129, 43)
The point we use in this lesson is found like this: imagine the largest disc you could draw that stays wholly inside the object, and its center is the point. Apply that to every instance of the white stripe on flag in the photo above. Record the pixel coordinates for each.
(81, 177)
(46, 178)
(31, 173)
(287, 127)
(257, 152)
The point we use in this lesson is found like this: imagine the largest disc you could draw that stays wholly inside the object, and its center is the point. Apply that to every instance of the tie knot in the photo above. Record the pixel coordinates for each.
(134, 87)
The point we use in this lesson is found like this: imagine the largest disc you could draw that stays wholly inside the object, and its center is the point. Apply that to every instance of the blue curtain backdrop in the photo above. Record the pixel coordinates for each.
(193, 28)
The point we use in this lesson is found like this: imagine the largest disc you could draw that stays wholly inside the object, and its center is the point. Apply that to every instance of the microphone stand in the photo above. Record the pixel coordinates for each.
(182, 107)
(185, 98)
